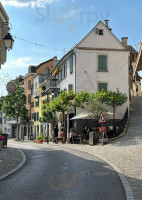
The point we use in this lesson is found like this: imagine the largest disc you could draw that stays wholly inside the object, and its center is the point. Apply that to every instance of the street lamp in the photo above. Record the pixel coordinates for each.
(8, 40)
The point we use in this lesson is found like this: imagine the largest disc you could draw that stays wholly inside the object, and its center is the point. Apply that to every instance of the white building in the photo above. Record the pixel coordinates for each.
(99, 61)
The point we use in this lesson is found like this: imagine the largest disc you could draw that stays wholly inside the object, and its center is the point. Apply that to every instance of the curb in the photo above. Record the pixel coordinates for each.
(126, 185)
(16, 168)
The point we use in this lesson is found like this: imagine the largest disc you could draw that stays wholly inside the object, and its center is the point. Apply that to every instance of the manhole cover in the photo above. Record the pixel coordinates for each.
(100, 173)
(39, 156)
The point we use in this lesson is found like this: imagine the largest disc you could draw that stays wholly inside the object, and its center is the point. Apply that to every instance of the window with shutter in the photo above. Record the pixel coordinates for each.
(47, 71)
(29, 84)
(100, 31)
(96, 31)
(102, 63)
(71, 64)
(29, 98)
(70, 87)
(63, 73)
(65, 70)
(102, 86)
(35, 117)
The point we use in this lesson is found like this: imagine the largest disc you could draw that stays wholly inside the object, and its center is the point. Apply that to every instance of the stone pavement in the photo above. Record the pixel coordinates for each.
(10, 158)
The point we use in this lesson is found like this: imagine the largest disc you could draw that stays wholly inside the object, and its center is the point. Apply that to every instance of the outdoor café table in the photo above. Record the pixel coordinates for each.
(77, 137)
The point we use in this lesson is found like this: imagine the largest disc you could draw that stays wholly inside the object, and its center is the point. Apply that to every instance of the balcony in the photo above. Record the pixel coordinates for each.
(51, 86)
(44, 93)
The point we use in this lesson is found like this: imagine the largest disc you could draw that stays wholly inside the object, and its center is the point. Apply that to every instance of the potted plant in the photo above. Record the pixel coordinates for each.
(45, 138)
(39, 139)
(2, 139)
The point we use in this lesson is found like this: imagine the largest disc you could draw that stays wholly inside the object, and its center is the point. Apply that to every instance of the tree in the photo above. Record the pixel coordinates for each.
(112, 99)
(63, 103)
(14, 105)
(94, 108)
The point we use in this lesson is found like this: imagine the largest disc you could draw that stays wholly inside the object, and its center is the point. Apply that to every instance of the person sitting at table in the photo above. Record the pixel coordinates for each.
(62, 133)
(72, 133)
(86, 130)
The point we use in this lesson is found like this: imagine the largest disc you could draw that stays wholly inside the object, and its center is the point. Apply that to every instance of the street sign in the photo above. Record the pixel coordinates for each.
(102, 119)
(11, 87)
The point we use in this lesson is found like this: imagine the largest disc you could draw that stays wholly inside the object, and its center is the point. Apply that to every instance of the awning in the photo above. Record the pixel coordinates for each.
(86, 115)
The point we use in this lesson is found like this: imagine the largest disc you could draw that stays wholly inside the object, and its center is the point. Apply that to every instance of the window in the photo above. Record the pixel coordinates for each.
(63, 74)
(47, 71)
(70, 87)
(65, 70)
(29, 98)
(37, 129)
(29, 84)
(36, 102)
(35, 117)
(60, 75)
(100, 31)
(102, 63)
(102, 86)
(71, 64)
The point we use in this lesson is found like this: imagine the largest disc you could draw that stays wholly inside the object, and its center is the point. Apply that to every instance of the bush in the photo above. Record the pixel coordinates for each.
(16, 139)
(45, 138)
(39, 137)
(50, 138)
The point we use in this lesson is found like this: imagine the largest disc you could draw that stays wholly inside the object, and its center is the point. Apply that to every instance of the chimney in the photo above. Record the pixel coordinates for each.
(124, 41)
(106, 22)
(55, 57)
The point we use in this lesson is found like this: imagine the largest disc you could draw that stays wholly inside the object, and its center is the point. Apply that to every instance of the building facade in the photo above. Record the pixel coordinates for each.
(99, 61)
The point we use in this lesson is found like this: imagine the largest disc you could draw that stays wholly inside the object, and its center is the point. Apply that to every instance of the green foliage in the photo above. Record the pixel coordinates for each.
(14, 104)
(50, 138)
(45, 137)
(63, 102)
(39, 137)
(17, 139)
(95, 107)
(112, 99)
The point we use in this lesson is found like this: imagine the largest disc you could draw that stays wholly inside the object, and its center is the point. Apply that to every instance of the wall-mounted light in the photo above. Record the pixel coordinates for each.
(8, 39)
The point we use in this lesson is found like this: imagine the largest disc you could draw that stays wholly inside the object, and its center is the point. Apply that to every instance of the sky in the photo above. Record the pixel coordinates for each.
(58, 25)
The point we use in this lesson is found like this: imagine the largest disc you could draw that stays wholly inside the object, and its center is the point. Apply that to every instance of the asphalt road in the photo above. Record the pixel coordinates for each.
(56, 173)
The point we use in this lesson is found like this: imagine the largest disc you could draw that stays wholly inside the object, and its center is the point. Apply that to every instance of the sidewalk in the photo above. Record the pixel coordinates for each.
(10, 160)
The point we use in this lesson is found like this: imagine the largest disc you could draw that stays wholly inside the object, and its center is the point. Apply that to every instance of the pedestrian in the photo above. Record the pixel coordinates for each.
(56, 131)
(62, 133)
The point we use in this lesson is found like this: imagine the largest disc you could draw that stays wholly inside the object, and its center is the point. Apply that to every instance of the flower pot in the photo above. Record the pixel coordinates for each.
(38, 141)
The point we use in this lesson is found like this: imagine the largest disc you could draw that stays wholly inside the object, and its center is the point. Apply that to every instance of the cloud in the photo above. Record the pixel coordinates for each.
(26, 3)
(18, 63)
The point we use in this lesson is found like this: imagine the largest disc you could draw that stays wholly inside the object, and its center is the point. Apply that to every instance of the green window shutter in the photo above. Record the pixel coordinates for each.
(34, 116)
(102, 62)
(37, 116)
(97, 31)
(70, 87)
(47, 71)
(71, 64)
(102, 86)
